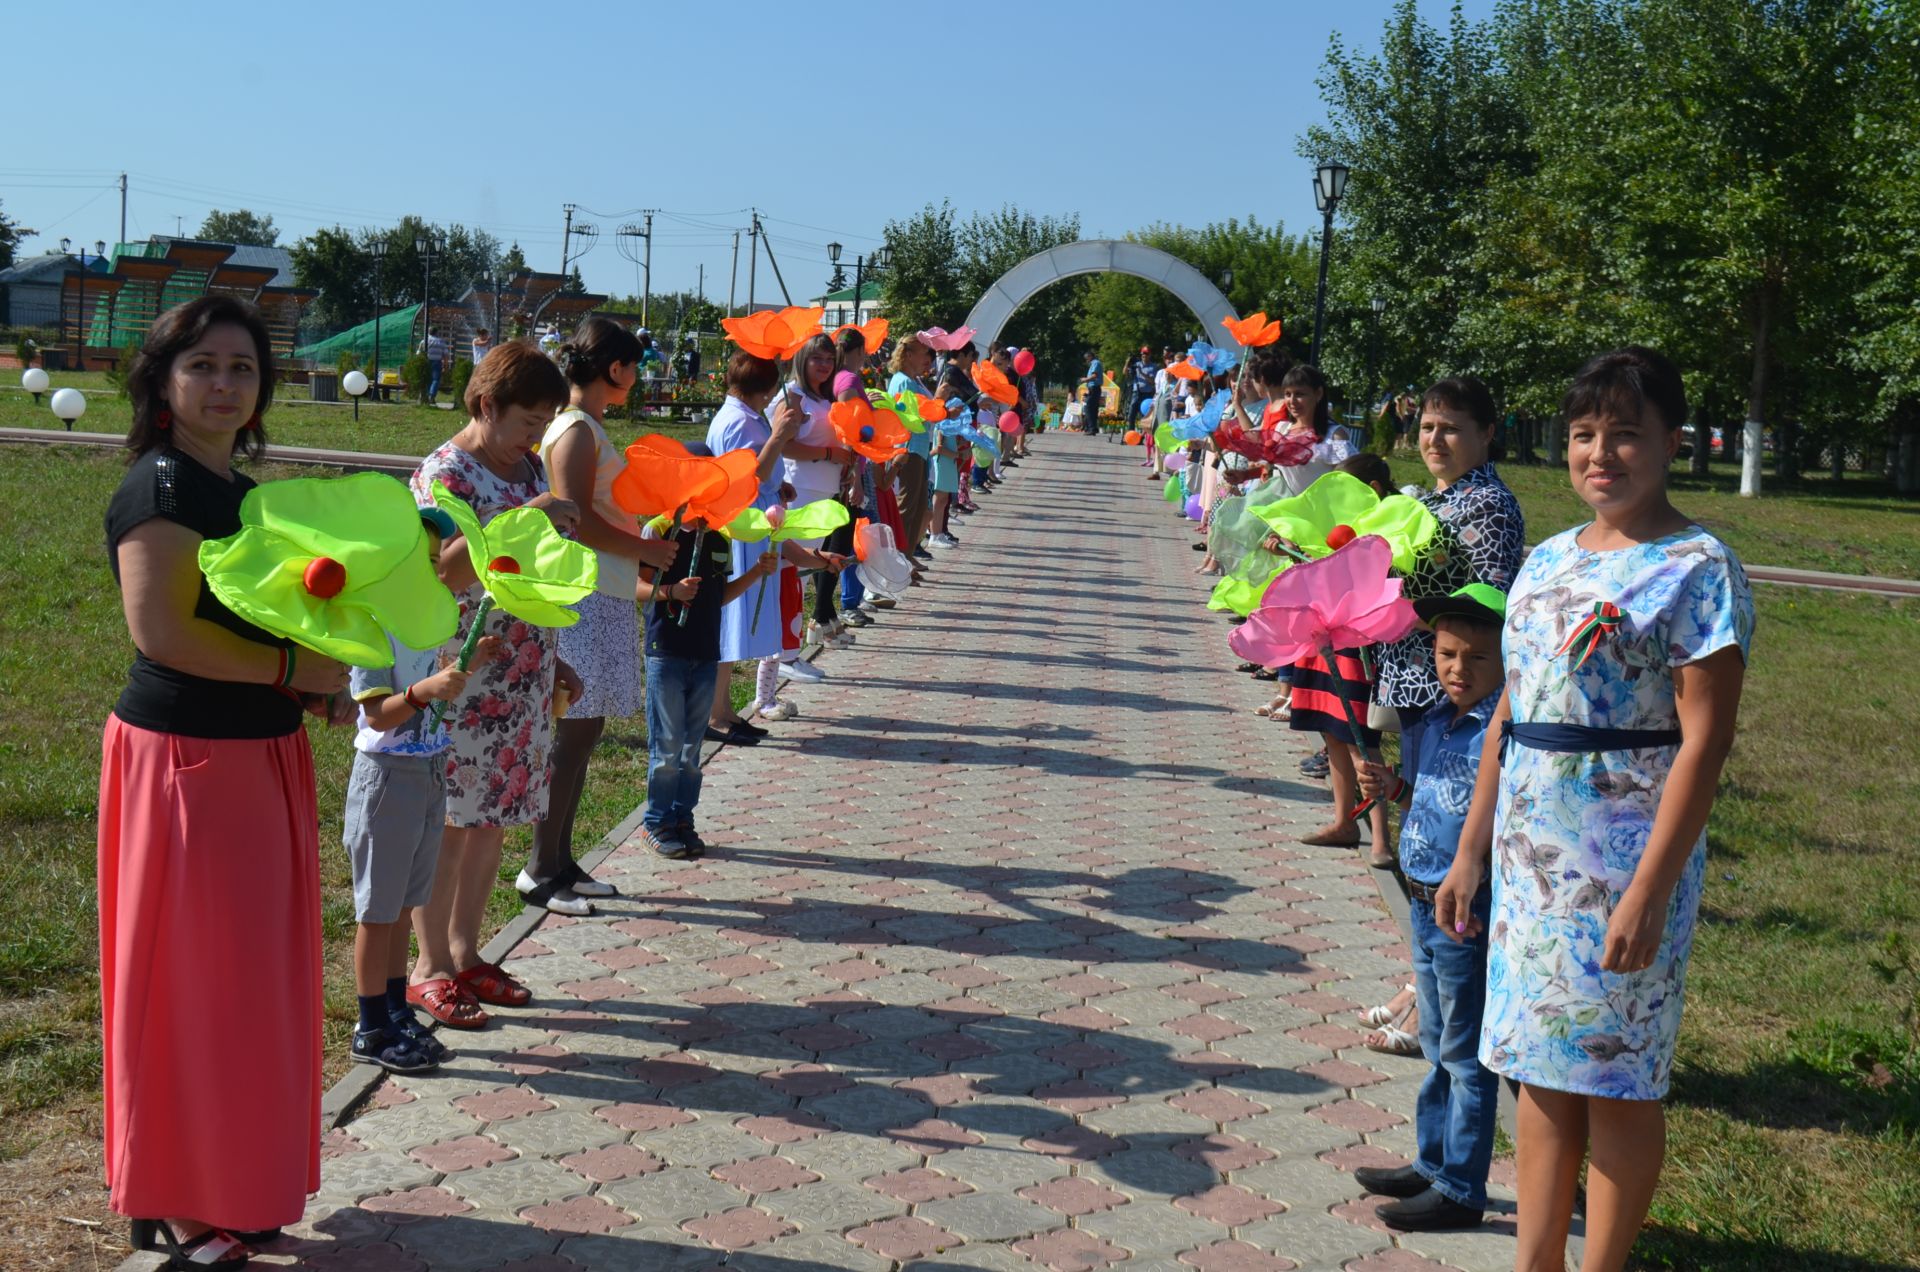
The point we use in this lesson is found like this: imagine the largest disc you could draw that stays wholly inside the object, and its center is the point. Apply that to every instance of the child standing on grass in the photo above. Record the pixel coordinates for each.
(1446, 1186)
(683, 660)
(396, 809)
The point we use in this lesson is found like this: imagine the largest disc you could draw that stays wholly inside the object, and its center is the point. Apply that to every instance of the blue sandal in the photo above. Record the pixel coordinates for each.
(392, 1050)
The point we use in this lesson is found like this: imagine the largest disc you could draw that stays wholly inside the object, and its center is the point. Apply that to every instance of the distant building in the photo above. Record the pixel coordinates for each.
(30, 290)
(841, 309)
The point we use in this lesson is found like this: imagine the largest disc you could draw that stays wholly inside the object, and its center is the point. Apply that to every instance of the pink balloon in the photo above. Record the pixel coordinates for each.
(1009, 421)
(1176, 461)
(1023, 362)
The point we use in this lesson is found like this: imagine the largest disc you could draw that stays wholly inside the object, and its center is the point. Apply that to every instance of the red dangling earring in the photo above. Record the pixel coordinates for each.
(164, 419)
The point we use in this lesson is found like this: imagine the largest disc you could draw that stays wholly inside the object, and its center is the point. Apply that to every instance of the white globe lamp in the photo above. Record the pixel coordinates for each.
(69, 405)
(35, 381)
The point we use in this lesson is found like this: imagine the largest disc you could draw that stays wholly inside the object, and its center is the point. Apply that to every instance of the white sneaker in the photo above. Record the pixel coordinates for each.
(560, 901)
(823, 634)
(776, 711)
(943, 541)
(803, 671)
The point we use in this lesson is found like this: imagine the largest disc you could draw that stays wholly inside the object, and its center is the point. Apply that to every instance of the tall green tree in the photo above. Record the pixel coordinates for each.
(923, 288)
(242, 226)
(10, 236)
(990, 244)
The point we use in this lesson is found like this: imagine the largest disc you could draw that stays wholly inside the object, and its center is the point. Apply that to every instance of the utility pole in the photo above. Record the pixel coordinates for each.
(123, 207)
(753, 256)
(646, 295)
(776, 264)
(566, 237)
(733, 275)
(700, 289)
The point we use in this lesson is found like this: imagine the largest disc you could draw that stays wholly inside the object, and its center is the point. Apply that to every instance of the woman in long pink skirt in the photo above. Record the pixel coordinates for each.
(209, 840)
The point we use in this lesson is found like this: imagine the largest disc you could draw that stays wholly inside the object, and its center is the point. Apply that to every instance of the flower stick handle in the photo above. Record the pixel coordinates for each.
(467, 647)
(673, 532)
(693, 566)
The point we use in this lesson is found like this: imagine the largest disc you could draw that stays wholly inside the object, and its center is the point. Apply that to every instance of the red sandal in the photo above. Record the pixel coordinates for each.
(488, 983)
(448, 1002)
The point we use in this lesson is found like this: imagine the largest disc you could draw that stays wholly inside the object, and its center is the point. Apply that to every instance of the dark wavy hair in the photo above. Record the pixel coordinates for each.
(1467, 394)
(1308, 376)
(516, 374)
(749, 375)
(1619, 384)
(172, 334)
(595, 345)
(1269, 366)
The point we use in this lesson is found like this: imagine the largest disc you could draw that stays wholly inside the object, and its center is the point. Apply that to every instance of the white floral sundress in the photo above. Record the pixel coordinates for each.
(1571, 826)
(498, 772)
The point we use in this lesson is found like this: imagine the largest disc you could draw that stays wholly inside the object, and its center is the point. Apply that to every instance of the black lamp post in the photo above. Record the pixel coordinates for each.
(881, 260)
(1329, 186)
(379, 250)
(423, 244)
(1379, 304)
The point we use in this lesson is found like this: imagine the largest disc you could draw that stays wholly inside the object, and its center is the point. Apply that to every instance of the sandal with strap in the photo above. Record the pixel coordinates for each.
(213, 1248)
(409, 1027)
(492, 986)
(1395, 1041)
(449, 1002)
(392, 1050)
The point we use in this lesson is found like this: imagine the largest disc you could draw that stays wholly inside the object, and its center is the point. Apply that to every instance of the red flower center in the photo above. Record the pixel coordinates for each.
(325, 577)
(1340, 536)
(504, 565)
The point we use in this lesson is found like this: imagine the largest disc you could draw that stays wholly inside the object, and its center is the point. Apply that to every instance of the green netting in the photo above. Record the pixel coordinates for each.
(396, 341)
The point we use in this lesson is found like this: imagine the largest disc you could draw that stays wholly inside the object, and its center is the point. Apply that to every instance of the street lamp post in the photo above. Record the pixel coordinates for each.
(379, 301)
(1329, 186)
(881, 260)
(423, 244)
(1379, 304)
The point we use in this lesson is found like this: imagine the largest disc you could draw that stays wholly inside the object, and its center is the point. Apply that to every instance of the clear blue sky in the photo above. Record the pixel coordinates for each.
(495, 114)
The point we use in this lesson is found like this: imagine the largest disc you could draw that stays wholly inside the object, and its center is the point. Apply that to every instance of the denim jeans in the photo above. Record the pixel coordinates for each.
(679, 699)
(1453, 1120)
(433, 379)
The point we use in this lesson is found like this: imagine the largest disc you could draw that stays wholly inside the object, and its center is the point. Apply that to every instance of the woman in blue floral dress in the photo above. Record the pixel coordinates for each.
(1625, 652)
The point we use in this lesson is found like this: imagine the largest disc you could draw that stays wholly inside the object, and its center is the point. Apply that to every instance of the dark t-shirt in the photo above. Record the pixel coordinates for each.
(699, 640)
(167, 483)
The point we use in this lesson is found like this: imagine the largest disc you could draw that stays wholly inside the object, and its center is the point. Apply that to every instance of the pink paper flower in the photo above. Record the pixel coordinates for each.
(1341, 601)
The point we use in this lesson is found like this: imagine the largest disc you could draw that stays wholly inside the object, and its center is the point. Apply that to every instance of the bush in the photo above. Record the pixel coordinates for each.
(417, 373)
(1381, 433)
(456, 385)
(123, 367)
(26, 350)
(345, 362)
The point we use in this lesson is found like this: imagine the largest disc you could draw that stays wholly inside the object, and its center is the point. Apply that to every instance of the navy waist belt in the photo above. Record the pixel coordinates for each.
(1583, 737)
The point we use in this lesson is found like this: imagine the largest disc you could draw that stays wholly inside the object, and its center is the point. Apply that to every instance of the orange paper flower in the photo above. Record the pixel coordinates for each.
(1184, 370)
(873, 331)
(865, 431)
(775, 334)
(1254, 330)
(993, 382)
(932, 410)
(662, 478)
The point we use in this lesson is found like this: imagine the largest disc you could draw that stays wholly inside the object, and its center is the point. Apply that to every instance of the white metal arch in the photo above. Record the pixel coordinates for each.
(1102, 256)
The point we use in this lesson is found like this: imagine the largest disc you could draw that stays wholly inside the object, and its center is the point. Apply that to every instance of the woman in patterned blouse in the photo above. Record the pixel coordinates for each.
(1482, 539)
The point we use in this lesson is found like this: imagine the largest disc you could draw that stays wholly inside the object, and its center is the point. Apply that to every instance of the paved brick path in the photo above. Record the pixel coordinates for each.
(1004, 958)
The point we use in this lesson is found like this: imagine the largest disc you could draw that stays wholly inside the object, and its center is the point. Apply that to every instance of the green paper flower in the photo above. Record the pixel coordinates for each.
(1338, 500)
(906, 406)
(523, 563)
(335, 565)
(814, 520)
(1164, 439)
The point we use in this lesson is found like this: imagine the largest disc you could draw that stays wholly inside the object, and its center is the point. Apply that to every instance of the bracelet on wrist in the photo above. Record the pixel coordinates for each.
(293, 663)
(416, 703)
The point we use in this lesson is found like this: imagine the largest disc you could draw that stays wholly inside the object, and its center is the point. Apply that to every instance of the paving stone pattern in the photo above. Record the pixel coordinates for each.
(1004, 956)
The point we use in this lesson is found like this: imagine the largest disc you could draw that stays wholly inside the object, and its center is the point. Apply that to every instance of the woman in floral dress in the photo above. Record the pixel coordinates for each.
(498, 771)
(1625, 651)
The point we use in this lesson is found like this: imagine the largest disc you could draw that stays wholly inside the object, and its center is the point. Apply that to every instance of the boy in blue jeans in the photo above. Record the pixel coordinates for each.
(1446, 1186)
(683, 657)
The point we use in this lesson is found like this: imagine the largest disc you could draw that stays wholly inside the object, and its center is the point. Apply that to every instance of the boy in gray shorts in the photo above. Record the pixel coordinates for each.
(396, 809)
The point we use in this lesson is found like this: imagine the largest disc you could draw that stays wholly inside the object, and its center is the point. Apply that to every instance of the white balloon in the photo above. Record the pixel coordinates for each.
(69, 404)
(354, 382)
(34, 380)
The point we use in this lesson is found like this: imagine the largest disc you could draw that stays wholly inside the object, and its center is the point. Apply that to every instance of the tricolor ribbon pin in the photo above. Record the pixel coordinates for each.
(1591, 630)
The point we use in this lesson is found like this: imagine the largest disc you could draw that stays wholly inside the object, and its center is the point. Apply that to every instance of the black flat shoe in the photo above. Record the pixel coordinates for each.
(1395, 1181)
(1198, 547)
(1266, 673)
(1429, 1212)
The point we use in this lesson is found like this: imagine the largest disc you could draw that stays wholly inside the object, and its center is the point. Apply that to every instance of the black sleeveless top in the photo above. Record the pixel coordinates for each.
(169, 484)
